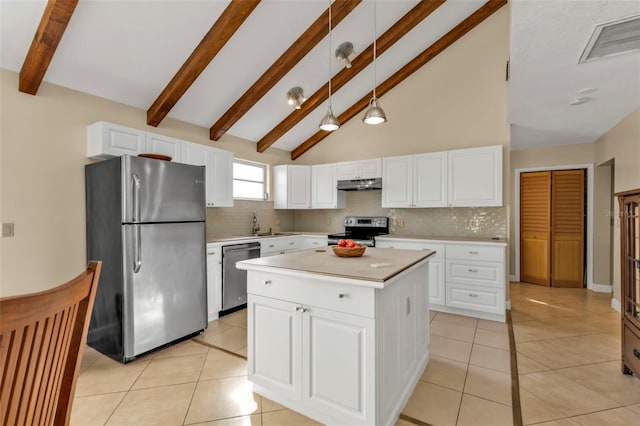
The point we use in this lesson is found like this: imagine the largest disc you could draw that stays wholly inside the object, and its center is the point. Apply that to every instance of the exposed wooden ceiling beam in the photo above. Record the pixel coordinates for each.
(384, 42)
(223, 29)
(416, 63)
(54, 21)
(303, 45)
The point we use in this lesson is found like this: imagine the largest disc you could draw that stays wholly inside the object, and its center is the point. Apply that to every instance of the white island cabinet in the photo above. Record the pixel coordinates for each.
(337, 339)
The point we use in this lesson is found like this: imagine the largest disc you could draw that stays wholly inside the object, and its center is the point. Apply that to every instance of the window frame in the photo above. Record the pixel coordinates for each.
(264, 167)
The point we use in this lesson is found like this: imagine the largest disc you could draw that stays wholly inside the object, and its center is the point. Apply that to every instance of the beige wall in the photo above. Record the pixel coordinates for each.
(621, 146)
(43, 154)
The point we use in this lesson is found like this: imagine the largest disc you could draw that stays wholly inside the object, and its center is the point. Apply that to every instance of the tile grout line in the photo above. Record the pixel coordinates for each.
(204, 362)
(413, 420)
(515, 382)
(219, 348)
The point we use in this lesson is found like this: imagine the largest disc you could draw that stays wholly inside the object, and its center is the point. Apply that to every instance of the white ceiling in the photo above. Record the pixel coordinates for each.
(127, 51)
(547, 39)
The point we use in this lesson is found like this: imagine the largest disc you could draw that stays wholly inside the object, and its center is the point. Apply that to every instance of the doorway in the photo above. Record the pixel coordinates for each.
(552, 225)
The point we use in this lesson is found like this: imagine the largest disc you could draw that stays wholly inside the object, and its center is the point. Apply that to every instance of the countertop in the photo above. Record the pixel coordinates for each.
(232, 237)
(325, 262)
(502, 241)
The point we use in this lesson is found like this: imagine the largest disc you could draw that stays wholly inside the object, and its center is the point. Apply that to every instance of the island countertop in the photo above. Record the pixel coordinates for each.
(325, 262)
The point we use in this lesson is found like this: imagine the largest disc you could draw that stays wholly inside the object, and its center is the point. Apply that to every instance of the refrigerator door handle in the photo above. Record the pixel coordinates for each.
(135, 182)
(137, 262)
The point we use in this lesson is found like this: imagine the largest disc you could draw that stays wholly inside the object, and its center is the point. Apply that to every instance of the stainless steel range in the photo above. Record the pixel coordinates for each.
(362, 230)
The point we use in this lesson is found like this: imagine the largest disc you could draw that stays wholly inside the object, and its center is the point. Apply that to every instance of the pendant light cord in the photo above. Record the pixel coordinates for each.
(375, 47)
(330, 54)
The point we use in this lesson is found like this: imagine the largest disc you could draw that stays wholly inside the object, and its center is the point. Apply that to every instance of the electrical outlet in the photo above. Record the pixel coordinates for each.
(394, 222)
(8, 230)
(277, 221)
(328, 220)
(401, 222)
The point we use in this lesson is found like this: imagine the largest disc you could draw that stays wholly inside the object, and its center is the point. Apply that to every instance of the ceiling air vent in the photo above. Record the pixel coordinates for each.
(613, 38)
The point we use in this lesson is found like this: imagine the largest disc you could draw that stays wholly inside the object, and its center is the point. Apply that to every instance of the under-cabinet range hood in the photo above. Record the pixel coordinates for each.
(360, 184)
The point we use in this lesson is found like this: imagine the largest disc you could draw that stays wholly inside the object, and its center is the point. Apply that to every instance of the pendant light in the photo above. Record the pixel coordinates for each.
(329, 122)
(374, 114)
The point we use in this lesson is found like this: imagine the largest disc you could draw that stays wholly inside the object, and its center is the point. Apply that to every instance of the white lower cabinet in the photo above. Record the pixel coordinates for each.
(214, 281)
(338, 353)
(308, 242)
(466, 279)
(436, 265)
(281, 245)
(317, 357)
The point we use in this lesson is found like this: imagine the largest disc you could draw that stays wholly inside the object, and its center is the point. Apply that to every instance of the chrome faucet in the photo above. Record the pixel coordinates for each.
(256, 225)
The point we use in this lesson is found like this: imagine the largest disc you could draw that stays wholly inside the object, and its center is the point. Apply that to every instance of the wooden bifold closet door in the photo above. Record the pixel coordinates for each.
(552, 228)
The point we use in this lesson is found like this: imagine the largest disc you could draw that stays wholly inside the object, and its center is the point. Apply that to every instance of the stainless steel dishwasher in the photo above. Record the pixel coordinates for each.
(234, 280)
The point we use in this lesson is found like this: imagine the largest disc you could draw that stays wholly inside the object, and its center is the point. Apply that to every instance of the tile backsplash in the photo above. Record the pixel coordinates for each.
(437, 222)
(446, 222)
(236, 220)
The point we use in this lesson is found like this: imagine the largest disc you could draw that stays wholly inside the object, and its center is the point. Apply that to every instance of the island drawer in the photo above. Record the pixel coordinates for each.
(469, 272)
(325, 294)
(476, 298)
(475, 252)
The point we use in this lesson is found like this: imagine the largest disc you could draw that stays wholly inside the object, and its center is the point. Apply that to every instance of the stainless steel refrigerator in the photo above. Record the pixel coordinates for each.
(146, 222)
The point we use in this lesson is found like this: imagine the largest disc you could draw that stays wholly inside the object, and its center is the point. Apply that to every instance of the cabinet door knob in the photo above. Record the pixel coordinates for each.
(342, 295)
(473, 295)
(472, 270)
(267, 282)
(473, 252)
(298, 308)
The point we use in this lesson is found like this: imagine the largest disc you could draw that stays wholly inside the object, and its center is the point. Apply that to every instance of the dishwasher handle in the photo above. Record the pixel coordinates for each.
(237, 249)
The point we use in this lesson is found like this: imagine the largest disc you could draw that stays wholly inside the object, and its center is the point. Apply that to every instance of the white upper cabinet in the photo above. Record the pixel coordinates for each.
(106, 140)
(475, 177)
(365, 169)
(219, 171)
(292, 187)
(324, 194)
(220, 167)
(194, 154)
(415, 180)
(164, 145)
(397, 181)
(430, 180)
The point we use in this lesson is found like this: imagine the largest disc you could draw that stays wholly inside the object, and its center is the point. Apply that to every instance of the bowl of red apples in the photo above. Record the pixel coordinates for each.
(347, 248)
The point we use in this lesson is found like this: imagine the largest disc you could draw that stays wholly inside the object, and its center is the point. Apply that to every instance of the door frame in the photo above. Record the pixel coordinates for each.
(590, 206)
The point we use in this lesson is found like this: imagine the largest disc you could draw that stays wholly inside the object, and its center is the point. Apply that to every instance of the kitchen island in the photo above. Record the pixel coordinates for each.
(341, 340)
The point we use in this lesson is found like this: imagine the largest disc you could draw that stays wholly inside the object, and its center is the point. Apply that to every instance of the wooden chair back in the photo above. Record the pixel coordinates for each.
(42, 338)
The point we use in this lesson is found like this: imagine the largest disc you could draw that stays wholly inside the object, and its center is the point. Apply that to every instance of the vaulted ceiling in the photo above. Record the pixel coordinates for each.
(227, 65)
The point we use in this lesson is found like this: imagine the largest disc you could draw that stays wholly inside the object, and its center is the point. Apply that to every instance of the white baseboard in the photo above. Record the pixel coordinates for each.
(615, 304)
(513, 279)
(507, 305)
(601, 288)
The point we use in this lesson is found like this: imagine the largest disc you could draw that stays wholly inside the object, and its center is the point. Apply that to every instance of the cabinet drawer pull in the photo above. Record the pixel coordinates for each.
(472, 270)
(267, 282)
(298, 308)
(473, 295)
(342, 295)
(270, 245)
(474, 252)
(292, 243)
(636, 353)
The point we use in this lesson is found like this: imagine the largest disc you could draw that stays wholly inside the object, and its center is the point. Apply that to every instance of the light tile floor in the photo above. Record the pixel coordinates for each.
(568, 349)
(467, 381)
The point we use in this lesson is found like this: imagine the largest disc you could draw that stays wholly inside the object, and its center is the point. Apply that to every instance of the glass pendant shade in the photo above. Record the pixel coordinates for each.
(329, 123)
(375, 114)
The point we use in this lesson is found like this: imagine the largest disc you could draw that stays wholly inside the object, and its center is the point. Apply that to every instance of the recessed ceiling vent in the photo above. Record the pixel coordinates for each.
(613, 38)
